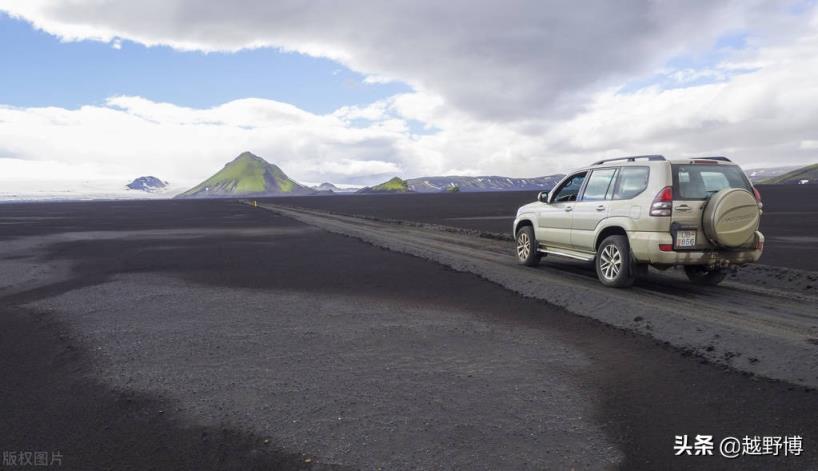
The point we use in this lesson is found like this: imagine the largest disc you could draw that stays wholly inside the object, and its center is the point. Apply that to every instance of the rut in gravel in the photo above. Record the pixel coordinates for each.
(756, 322)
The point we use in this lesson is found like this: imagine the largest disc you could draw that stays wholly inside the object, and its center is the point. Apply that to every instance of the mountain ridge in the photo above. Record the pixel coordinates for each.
(393, 185)
(438, 184)
(803, 175)
(328, 187)
(247, 175)
(147, 183)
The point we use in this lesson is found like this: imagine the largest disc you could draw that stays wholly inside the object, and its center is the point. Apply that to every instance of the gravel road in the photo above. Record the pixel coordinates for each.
(766, 324)
(790, 221)
(212, 335)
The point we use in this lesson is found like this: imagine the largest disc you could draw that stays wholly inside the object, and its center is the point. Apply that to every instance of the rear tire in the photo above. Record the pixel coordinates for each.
(614, 266)
(527, 246)
(701, 275)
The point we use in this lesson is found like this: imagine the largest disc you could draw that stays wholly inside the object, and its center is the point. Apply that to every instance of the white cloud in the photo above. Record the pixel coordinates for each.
(762, 117)
(354, 168)
(132, 136)
(513, 89)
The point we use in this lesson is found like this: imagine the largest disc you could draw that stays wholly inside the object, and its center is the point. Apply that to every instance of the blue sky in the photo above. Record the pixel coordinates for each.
(41, 70)
(690, 70)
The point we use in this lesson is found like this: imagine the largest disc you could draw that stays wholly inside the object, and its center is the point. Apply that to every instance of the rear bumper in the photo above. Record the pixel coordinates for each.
(645, 249)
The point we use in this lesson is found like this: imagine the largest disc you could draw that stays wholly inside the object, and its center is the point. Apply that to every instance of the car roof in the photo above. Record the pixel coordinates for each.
(660, 160)
(652, 160)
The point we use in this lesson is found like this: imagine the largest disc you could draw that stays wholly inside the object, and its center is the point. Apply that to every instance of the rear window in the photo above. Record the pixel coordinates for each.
(698, 182)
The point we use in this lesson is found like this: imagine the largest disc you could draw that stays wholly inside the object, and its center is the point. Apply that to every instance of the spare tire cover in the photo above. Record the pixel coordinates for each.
(731, 217)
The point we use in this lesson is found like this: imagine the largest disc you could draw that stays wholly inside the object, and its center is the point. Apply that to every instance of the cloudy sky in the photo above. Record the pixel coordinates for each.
(356, 92)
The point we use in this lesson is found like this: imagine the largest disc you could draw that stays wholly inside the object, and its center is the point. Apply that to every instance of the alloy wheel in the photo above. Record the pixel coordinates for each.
(523, 246)
(610, 262)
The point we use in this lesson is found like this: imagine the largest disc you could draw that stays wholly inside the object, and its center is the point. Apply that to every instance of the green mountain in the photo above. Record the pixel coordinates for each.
(247, 175)
(395, 185)
(808, 174)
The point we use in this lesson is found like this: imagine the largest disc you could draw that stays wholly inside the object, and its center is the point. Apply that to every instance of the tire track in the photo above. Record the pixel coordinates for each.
(737, 325)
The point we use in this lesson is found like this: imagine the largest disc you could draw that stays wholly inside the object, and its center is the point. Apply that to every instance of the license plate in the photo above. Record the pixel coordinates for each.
(685, 239)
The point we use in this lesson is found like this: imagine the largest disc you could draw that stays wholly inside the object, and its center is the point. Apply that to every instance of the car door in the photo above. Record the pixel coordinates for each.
(554, 218)
(693, 184)
(591, 208)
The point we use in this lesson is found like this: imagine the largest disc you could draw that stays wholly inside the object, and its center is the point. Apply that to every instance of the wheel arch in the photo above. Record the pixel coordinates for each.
(522, 223)
(608, 231)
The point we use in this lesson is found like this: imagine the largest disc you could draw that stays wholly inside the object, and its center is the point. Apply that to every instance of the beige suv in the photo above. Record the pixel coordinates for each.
(629, 213)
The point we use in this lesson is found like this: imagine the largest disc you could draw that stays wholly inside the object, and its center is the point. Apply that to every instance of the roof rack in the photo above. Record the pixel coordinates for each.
(719, 158)
(631, 159)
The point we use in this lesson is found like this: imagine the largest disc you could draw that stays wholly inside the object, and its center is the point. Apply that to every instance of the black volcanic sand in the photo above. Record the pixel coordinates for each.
(220, 347)
(790, 220)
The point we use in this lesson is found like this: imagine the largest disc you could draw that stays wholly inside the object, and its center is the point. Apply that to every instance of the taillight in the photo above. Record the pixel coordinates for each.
(663, 203)
(758, 198)
(666, 247)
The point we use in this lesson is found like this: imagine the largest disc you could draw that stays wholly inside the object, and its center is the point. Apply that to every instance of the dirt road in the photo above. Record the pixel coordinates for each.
(790, 221)
(763, 321)
(214, 335)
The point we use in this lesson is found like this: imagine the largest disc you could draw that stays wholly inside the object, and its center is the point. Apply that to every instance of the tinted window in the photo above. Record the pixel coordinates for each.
(598, 184)
(698, 182)
(570, 190)
(630, 182)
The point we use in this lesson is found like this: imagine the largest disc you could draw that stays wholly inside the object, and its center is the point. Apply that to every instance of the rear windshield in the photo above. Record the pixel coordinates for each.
(698, 182)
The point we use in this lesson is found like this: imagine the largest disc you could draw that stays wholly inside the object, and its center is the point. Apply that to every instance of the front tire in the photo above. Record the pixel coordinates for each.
(613, 263)
(701, 275)
(527, 245)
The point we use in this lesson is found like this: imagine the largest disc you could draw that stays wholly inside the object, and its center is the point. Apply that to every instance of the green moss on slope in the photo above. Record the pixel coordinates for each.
(248, 174)
(394, 185)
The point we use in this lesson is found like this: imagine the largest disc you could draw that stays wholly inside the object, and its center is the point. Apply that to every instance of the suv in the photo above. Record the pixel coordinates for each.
(629, 213)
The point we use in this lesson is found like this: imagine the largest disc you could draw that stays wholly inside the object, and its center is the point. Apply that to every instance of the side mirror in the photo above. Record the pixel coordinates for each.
(542, 197)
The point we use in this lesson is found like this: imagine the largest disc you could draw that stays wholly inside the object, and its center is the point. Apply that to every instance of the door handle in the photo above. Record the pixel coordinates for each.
(683, 207)
(568, 209)
(600, 208)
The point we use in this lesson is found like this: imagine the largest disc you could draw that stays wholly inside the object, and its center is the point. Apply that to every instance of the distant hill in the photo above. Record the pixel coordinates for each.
(149, 184)
(488, 183)
(395, 185)
(326, 186)
(803, 175)
(329, 187)
(455, 184)
(247, 175)
(758, 174)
